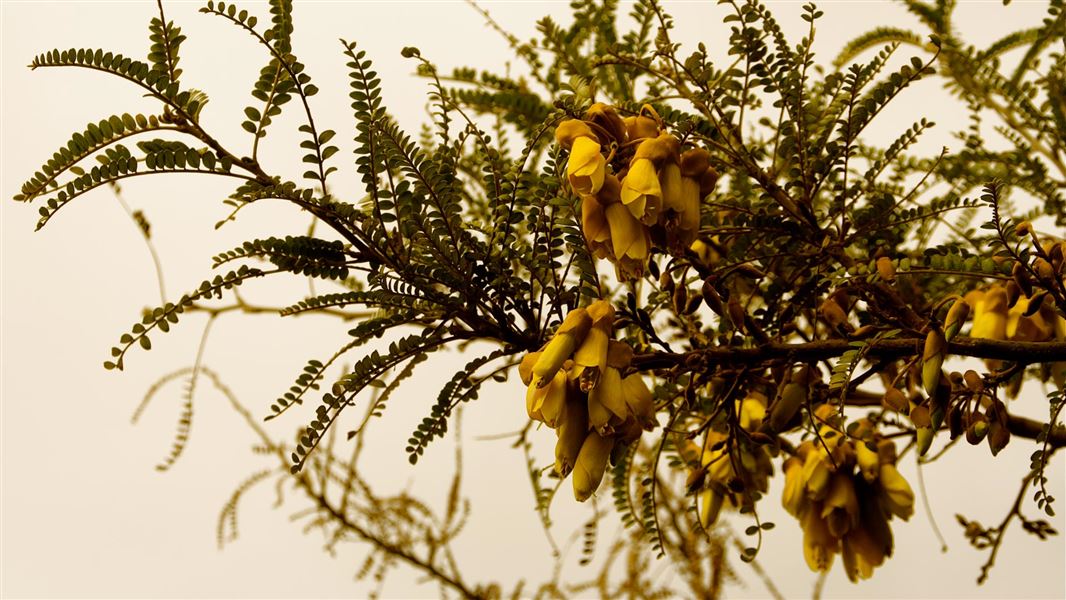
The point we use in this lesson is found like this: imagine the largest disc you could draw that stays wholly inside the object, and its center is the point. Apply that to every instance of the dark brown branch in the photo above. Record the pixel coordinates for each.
(1021, 352)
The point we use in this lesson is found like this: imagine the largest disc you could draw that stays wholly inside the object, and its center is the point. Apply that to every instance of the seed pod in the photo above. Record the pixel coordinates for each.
(886, 269)
(933, 359)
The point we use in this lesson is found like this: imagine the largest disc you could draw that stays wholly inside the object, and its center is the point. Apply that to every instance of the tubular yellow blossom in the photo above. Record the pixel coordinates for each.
(659, 149)
(553, 400)
(640, 127)
(592, 353)
(898, 494)
(819, 545)
(751, 411)
(590, 465)
(793, 395)
(794, 498)
(869, 462)
(990, 315)
(567, 337)
(710, 506)
(572, 432)
(639, 400)
(570, 130)
(629, 239)
(641, 192)
(841, 506)
(594, 227)
(609, 394)
(586, 167)
(525, 368)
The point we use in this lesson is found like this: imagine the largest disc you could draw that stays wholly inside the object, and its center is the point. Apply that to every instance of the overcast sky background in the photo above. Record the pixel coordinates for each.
(84, 513)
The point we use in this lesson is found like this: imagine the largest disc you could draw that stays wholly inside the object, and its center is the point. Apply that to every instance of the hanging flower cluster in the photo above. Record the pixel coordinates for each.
(724, 474)
(576, 387)
(844, 492)
(643, 192)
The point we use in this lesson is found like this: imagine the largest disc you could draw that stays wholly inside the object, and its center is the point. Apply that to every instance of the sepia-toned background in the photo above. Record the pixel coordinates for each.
(85, 514)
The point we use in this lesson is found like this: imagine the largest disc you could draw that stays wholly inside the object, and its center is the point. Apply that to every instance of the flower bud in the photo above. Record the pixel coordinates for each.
(793, 396)
(694, 163)
(590, 464)
(885, 269)
(606, 117)
(658, 150)
(957, 315)
(933, 360)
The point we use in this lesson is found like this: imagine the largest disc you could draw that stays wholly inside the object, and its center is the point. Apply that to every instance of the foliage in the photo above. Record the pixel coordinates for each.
(784, 290)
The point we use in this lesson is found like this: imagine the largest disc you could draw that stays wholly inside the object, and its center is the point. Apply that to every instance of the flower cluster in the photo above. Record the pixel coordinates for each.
(576, 387)
(645, 191)
(844, 491)
(725, 474)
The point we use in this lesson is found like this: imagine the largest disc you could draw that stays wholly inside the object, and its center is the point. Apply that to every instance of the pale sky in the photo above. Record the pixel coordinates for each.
(84, 513)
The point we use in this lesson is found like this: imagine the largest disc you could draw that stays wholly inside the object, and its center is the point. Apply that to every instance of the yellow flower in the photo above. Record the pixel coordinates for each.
(590, 358)
(590, 464)
(819, 545)
(609, 395)
(629, 238)
(751, 411)
(570, 130)
(841, 506)
(641, 192)
(897, 492)
(608, 121)
(640, 127)
(566, 339)
(594, 226)
(794, 498)
(639, 400)
(586, 167)
(869, 462)
(989, 314)
(572, 432)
